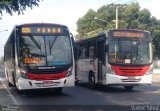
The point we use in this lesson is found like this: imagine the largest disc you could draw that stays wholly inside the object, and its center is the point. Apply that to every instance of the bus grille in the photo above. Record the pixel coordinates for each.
(130, 71)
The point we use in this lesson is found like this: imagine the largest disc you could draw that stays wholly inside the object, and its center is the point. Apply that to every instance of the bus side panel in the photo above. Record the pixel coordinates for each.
(9, 58)
(16, 44)
(82, 71)
(84, 66)
(9, 71)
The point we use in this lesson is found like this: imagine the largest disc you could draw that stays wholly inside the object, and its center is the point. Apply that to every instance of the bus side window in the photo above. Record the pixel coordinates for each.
(12, 46)
(91, 52)
(87, 51)
(106, 47)
(83, 53)
(79, 51)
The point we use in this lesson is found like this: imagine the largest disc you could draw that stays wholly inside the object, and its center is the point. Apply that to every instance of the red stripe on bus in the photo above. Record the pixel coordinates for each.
(130, 71)
(47, 76)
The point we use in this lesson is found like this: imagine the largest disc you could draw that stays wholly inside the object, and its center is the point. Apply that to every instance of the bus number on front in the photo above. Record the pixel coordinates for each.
(26, 30)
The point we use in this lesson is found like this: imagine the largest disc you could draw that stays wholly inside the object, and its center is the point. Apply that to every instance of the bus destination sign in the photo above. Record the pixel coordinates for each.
(48, 30)
(128, 34)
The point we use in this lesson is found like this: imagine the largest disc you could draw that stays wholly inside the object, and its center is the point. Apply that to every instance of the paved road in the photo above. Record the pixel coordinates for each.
(81, 96)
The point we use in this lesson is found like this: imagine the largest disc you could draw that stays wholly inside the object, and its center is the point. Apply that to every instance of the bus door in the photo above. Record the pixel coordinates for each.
(100, 56)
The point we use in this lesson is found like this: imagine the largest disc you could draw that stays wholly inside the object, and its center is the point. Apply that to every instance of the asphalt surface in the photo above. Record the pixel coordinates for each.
(81, 98)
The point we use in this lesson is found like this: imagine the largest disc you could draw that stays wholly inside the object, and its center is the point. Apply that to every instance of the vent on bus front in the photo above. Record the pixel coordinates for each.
(130, 71)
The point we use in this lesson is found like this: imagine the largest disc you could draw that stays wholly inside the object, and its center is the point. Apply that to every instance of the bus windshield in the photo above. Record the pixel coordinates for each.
(133, 52)
(45, 50)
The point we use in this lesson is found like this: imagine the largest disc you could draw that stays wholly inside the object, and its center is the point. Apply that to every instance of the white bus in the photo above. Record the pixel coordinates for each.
(39, 56)
(117, 57)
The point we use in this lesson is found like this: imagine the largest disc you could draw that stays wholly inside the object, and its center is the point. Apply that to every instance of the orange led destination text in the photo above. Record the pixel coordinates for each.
(48, 30)
(127, 34)
(41, 30)
(33, 60)
(26, 30)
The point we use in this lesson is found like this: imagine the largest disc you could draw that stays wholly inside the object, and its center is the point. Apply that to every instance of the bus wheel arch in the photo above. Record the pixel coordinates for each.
(91, 80)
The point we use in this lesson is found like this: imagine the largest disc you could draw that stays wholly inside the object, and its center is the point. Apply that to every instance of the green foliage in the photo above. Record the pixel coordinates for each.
(87, 22)
(156, 42)
(19, 6)
(130, 17)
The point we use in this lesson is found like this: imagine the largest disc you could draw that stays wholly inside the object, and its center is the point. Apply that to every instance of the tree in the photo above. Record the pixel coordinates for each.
(87, 22)
(19, 6)
(130, 17)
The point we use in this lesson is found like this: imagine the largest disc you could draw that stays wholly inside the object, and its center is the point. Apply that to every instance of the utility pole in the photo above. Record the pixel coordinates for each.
(117, 6)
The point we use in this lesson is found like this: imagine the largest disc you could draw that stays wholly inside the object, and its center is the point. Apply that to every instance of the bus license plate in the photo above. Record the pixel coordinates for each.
(47, 83)
(131, 78)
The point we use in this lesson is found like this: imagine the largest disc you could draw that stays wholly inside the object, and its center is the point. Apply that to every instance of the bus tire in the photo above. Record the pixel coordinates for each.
(58, 90)
(9, 84)
(20, 91)
(76, 82)
(128, 88)
(91, 80)
(14, 80)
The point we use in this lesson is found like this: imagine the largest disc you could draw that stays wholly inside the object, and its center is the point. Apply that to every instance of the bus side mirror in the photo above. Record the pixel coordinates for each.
(106, 47)
(71, 35)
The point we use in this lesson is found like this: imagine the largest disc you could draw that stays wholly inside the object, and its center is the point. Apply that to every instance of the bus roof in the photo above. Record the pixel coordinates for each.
(97, 36)
(36, 24)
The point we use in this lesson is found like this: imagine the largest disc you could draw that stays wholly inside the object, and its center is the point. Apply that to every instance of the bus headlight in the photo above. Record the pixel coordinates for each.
(69, 72)
(149, 72)
(23, 73)
(111, 71)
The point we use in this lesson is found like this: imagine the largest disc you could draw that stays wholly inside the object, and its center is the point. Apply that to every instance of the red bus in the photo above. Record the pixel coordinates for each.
(39, 55)
(116, 57)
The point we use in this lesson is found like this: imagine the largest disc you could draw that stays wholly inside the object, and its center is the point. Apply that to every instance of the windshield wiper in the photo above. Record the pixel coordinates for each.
(35, 42)
(53, 42)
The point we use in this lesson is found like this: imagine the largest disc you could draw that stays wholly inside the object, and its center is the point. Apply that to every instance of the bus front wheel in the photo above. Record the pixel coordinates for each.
(91, 80)
(9, 84)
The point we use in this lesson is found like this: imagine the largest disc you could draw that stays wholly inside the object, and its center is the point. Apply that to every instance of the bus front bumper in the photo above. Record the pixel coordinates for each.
(24, 84)
(128, 80)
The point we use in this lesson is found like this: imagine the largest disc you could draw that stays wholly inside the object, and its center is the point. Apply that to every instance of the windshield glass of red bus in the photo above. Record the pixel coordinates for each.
(132, 52)
(45, 50)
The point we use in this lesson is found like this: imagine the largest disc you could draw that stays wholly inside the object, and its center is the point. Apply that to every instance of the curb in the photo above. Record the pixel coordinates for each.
(156, 83)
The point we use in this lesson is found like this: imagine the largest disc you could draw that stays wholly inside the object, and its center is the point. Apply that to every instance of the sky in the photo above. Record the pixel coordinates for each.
(65, 12)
